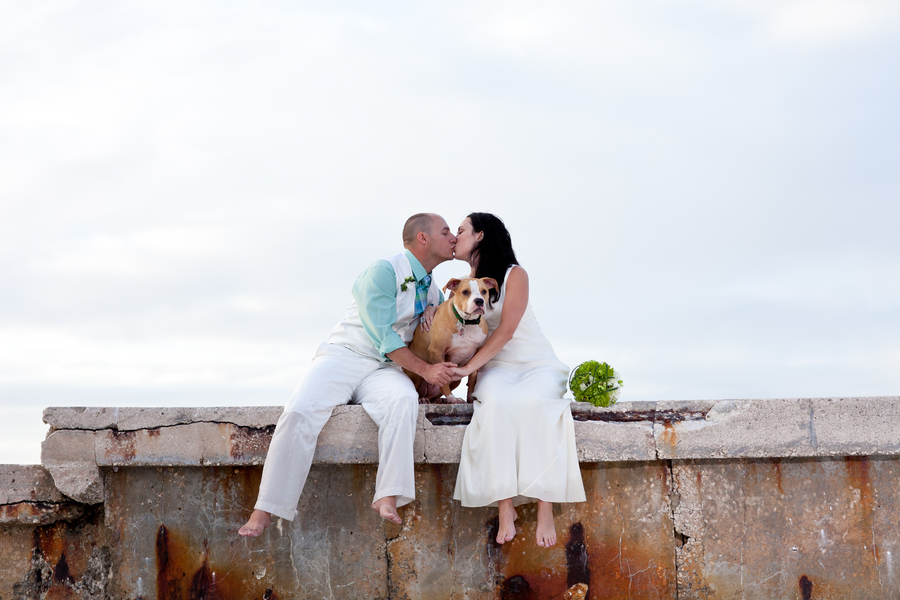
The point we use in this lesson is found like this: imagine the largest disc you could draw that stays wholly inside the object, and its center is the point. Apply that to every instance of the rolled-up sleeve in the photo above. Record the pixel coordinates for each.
(375, 293)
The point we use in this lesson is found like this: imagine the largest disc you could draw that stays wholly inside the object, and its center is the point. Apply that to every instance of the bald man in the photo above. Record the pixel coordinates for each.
(362, 362)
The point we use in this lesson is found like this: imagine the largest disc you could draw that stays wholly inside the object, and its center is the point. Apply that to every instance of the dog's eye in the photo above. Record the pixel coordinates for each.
(466, 293)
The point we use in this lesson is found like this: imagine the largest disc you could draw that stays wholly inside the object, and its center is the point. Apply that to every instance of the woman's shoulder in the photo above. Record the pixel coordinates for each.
(517, 273)
(516, 278)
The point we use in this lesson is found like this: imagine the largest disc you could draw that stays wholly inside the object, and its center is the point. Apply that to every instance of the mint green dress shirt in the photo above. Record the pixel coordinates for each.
(375, 293)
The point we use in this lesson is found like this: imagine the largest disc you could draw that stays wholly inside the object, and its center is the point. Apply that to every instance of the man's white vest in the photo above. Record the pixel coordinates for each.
(350, 332)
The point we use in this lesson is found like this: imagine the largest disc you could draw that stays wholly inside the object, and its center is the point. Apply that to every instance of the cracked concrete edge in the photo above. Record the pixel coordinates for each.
(70, 459)
(27, 483)
(133, 418)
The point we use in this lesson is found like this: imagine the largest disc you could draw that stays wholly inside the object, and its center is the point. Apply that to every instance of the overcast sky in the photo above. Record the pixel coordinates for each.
(705, 194)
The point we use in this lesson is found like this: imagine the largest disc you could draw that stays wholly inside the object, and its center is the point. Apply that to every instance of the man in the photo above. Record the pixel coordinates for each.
(361, 362)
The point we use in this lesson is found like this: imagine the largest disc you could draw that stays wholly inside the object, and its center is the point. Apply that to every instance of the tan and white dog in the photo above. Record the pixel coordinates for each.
(457, 331)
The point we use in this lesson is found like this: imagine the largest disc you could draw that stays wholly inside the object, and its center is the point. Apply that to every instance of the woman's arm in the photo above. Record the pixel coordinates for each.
(514, 306)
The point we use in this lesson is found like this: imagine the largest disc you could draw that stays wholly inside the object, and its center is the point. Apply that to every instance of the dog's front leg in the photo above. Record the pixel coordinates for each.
(470, 387)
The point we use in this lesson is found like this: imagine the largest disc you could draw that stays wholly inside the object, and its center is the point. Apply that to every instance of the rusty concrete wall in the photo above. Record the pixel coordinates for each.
(695, 526)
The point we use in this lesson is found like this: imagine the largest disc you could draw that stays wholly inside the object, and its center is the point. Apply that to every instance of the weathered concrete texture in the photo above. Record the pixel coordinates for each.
(176, 536)
(794, 528)
(619, 542)
(56, 561)
(818, 528)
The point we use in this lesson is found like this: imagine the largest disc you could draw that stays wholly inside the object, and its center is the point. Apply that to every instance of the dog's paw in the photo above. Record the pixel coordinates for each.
(451, 399)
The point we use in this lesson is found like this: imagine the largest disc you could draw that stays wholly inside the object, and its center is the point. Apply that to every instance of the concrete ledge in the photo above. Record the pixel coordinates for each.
(82, 440)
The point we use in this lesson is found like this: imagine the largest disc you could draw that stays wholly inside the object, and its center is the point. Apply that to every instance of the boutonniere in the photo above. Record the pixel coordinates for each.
(407, 281)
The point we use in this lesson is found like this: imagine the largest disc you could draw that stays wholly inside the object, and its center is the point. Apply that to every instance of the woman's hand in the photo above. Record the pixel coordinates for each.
(461, 372)
(428, 317)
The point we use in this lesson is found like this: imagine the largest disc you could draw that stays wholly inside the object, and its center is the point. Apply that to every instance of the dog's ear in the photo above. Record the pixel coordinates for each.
(452, 284)
(493, 290)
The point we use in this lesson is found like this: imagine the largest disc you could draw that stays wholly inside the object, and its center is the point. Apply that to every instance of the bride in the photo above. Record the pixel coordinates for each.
(520, 445)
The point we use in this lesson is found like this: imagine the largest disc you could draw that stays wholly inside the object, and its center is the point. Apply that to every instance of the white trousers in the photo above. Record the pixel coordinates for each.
(340, 376)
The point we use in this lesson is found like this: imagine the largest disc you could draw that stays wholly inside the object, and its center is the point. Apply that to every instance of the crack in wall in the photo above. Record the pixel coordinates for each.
(674, 500)
(114, 427)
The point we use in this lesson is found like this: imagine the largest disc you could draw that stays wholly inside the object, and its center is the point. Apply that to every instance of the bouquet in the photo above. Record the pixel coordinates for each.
(595, 382)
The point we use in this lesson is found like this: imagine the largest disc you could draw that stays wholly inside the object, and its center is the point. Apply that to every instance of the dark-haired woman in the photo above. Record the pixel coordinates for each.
(520, 445)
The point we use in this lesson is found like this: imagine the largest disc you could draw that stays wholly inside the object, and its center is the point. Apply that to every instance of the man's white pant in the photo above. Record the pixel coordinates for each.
(340, 376)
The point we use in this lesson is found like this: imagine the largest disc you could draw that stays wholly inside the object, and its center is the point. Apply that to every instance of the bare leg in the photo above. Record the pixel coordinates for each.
(387, 508)
(507, 518)
(258, 522)
(546, 529)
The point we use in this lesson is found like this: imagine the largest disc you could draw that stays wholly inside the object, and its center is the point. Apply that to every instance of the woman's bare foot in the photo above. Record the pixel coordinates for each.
(258, 522)
(546, 528)
(507, 518)
(387, 508)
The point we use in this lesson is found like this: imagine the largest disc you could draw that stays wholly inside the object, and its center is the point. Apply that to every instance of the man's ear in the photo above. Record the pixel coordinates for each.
(452, 285)
(422, 237)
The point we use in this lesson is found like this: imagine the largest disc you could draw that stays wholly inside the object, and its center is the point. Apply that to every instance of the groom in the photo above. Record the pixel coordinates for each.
(361, 362)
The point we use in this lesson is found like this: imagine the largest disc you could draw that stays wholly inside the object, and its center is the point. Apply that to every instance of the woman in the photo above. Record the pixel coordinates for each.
(520, 445)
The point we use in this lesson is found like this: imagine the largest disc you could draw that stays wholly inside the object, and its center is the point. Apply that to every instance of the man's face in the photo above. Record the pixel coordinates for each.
(441, 242)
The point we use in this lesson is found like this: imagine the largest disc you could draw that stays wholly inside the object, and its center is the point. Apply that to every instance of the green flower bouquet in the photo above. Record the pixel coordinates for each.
(595, 382)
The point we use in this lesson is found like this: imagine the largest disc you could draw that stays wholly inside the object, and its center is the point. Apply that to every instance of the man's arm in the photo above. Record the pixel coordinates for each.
(375, 293)
(439, 374)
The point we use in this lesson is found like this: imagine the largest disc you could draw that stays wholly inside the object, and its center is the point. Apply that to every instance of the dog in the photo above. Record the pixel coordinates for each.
(457, 331)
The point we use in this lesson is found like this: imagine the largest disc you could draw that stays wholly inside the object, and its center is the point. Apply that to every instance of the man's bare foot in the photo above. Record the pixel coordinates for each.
(546, 528)
(258, 522)
(507, 518)
(387, 508)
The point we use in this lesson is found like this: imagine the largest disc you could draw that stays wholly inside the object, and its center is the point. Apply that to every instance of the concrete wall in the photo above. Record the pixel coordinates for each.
(789, 498)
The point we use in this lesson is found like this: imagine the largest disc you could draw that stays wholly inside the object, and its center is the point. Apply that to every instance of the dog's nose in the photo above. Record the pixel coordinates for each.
(479, 301)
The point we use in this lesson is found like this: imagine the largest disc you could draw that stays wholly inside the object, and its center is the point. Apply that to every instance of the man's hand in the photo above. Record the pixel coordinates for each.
(440, 374)
(428, 317)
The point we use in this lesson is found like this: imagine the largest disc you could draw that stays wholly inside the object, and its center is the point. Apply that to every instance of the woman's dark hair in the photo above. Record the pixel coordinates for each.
(494, 251)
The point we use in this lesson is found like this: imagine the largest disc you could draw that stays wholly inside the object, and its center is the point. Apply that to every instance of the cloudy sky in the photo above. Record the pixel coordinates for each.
(705, 194)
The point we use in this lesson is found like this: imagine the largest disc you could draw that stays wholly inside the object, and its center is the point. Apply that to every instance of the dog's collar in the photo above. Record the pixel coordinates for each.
(465, 321)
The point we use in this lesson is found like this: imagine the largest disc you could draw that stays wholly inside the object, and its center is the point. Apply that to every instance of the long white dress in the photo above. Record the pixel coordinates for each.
(521, 441)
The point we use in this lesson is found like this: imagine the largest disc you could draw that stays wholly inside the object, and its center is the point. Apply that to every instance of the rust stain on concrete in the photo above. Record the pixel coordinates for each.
(39, 513)
(249, 442)
(121, 445)
(606, 567)
(65, 562)
(860, 478)
(806, 587)
(669, 437)
(577, 563)
(776, 465)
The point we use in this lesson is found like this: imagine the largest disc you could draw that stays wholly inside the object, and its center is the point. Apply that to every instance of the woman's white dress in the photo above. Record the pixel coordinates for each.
(521, 441)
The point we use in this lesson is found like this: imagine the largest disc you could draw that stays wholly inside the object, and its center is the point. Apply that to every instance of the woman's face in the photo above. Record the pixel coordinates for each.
(466, 239)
